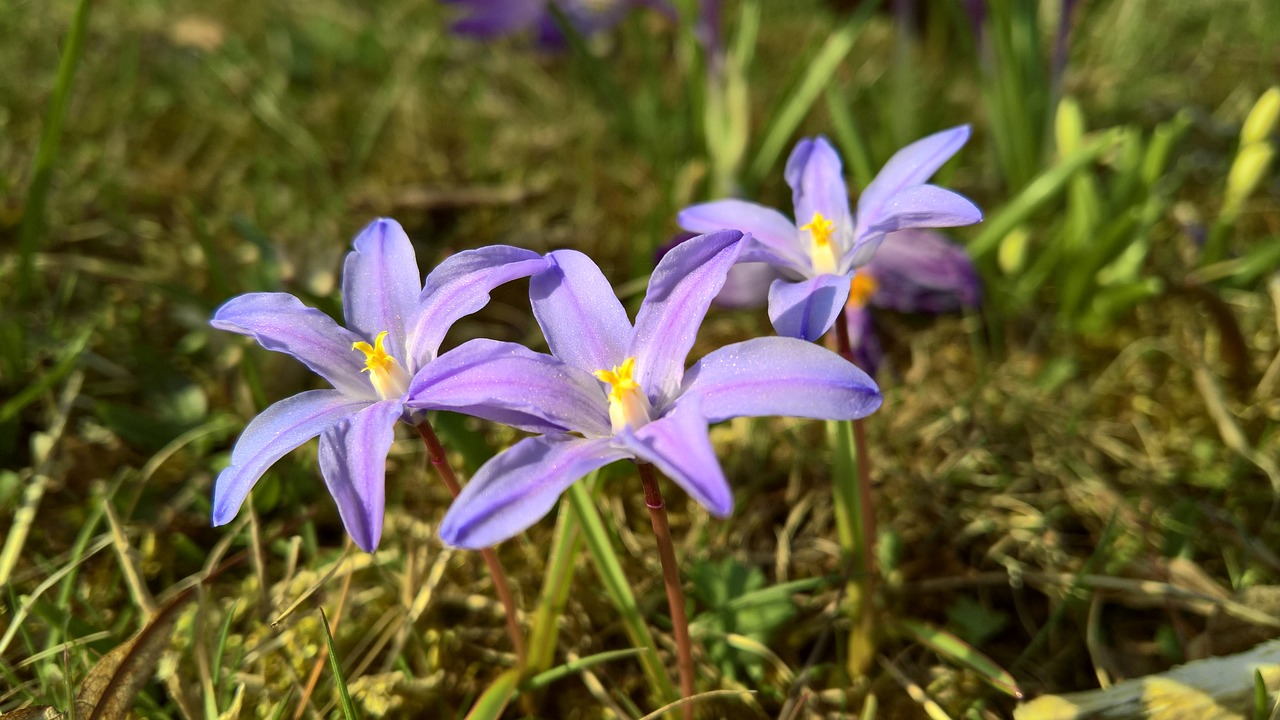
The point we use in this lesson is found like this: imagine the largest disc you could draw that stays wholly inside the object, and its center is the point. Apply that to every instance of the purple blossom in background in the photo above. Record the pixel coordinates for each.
(815, 256)
(610, 391)
(498, 18)
(395, 326)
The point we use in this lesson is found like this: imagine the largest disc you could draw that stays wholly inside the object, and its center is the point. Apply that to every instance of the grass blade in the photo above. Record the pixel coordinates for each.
(555, 590)
(957, 650)
(344, 696)
(494, 700)
(576, 666)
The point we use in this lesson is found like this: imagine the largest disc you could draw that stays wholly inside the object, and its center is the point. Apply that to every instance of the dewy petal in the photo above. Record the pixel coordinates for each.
(680, 292)
(460, 286)
(381, 283)
(817, 184)
(916, 207)
(515, 489)
(353, 462)
(268, 437)
(910, 166)
(766, 226)
(280, 322)
(580, 316)
(923, 271)
(513, 385)
(679, 445)
(779, 376)
(808, 308)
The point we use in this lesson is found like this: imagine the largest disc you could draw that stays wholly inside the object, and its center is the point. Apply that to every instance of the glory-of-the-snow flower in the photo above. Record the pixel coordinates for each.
(395, 325)
(611, 391)
(815, 257)
(496, 18)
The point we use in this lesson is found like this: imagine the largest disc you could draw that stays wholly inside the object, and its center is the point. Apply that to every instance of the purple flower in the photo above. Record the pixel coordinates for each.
(816, 256)
(610, 391)
(497, 18)
(395, 326)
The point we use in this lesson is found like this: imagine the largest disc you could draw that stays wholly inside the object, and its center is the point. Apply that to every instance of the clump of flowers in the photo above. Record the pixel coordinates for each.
(498, 18)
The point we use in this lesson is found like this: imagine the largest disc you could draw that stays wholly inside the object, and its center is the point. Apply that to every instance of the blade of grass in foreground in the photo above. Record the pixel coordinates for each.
(344, 696)
(555, 591)
(953, 648)
(494, 700)
(615, 583)
(47, 154)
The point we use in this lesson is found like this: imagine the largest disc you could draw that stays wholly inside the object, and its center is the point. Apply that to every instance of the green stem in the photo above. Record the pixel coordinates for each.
(555, 591)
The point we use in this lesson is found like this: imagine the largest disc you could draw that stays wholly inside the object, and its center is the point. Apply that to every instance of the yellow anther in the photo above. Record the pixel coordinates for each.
(821, 229)
(861, 288)
(628, 405)
(386, 375)
(824, 250)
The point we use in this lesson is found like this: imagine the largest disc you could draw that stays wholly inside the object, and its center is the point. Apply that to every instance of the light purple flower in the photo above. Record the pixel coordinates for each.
(817, 254)
(611, 391)
(394, 329)
(498, 18)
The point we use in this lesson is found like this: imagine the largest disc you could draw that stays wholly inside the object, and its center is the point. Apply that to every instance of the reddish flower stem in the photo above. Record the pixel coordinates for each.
(866, 506)
(671, 577)
(440, 462)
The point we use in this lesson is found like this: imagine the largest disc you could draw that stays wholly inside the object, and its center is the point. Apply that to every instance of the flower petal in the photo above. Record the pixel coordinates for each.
(280, 322)
(515, 489)
(353, 461)
(817, 184)
(808, 308)
(680, 292)
(511, 384)
(779, 376)
(747, 286)
(460, 286)
(268, 437)
(381, 283)
(863, 339)
(580, 316)
(493, 18)
(917, 207)
(923, 271)
(767, 226)
(910, 166)
(679, 445)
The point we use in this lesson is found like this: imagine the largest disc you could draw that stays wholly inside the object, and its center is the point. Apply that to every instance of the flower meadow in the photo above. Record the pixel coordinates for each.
(613, 359)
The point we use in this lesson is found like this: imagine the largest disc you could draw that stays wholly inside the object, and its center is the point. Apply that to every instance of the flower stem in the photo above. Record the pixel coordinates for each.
(866, 506)
(440, 462)
(671, 577)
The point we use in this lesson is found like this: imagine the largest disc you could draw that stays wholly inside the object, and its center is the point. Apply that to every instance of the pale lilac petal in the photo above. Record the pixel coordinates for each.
(579, 314)
(923, 271)
(515, 489)
(513, 385)
(767, 226)
(381, 283)
(680, 292)
(910, 166)
(679, 446)
(460, 286)
(808, 308)
(747, 285)
(280, 322)
(353, 462)
(268, 437)
(916, 207)
(779, 376)
(817, 184)
(863, 339)
(493, 18)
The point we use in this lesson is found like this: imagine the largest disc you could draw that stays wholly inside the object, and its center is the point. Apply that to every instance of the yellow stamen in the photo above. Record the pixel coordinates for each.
(861, 288)
(628, 405)
(386, 375)
(823, 251)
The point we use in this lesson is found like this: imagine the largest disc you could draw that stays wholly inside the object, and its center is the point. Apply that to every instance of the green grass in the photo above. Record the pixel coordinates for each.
(213, 149)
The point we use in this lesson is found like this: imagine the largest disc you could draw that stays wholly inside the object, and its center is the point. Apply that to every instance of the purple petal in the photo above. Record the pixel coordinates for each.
(679, 446)
(817, 185)
(280, 322)
(353, 462)
(513, 385)
(580, 316)
(917, 207)
(277, 430)
(747, 286)
(767, 226)
(923, 271)
(680, 293)
(515, 489)
(381, 283)
(460, 286)
(807, 309)
(493, 18)
(863, 339)
(780, 376)
(910, 166)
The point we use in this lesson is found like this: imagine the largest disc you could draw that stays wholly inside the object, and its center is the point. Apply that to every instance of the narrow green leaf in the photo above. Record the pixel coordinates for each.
(957, 650)
(574, 667)
(344, 696)
(555, 590)
(67, 361)
(494, 699)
